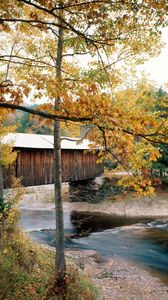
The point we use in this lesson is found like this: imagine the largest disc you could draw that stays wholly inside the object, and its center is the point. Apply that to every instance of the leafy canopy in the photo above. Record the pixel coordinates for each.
(120, 118)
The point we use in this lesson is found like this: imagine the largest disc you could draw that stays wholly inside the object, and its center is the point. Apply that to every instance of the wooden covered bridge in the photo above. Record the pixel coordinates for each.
(34, 162)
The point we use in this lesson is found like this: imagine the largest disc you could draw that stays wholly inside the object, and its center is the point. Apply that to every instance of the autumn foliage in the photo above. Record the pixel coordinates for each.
(102, 43)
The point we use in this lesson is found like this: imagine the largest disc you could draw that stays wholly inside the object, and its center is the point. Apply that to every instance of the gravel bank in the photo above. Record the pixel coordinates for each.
(118, 279)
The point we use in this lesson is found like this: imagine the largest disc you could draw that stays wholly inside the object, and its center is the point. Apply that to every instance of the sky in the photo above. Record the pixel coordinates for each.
(157, 67)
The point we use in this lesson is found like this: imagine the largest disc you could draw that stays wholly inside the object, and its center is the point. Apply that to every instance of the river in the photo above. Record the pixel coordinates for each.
(142, 240)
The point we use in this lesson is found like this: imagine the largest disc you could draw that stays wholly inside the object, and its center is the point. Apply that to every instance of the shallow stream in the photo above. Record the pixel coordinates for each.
(142, 240)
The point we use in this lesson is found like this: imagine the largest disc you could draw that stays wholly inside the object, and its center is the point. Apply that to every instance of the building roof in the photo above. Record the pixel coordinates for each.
(40, 141)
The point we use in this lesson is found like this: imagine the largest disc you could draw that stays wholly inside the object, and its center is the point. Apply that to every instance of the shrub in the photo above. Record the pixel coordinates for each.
(27, 272)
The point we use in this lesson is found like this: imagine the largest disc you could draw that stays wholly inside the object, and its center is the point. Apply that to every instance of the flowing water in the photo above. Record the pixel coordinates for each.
(143, 240)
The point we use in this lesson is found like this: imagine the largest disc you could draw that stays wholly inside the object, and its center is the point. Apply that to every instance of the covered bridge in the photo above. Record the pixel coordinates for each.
(34, 162)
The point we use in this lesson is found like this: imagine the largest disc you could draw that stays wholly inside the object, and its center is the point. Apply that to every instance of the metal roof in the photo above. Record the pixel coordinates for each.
(40, 141)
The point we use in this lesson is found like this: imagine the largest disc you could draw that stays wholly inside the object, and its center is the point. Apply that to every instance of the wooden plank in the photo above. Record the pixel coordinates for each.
(35, 166)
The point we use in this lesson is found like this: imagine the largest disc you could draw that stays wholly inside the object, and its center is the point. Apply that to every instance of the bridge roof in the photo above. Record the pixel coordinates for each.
(40, 141)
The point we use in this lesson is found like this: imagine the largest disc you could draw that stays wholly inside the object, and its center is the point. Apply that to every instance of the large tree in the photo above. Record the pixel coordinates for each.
(43, 44)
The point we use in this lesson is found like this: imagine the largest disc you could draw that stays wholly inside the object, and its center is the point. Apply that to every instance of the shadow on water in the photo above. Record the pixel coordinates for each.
(143, 240)
(88, 222)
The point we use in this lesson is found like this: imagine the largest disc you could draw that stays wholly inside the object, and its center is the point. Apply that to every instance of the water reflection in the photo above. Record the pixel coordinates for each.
(87, 222)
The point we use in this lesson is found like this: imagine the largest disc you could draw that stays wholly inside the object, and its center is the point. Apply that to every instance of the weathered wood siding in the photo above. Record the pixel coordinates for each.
(78, 165)
(7, 175)
(35, 166)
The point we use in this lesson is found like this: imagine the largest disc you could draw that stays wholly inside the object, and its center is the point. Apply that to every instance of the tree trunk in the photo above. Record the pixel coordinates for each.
(1, 176)
(1, 193)
(60, 265)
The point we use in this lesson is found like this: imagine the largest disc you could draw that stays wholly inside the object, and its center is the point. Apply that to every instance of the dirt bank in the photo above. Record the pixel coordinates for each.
(129, 205)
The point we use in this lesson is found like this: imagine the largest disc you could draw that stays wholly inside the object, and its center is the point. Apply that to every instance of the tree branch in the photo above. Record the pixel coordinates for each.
(6, 83)
(81, 4)
(146, 137)
(25, 58)
(143, 136)
(88, 38)
(109, 150)
(44, 114)
(29, 21)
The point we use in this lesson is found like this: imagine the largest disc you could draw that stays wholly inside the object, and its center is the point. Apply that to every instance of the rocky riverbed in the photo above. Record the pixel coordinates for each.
(118, 279)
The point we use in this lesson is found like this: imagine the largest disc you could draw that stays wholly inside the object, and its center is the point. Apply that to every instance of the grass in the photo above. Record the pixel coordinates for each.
(27, 272)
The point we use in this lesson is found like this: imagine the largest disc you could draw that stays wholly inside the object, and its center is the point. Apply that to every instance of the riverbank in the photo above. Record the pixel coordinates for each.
(42, 197)
(118, 279)
(129, 205)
